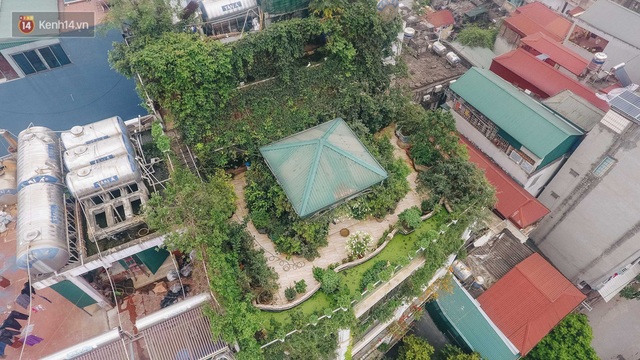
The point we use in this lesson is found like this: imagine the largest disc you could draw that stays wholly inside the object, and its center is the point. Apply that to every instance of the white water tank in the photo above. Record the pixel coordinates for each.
(597, 61)
(96, 152)
(220, 9)
(87, 134)
(409, 32)
(103, 176)
(452, 58)
(41, 229)
(38, 157)
(461, 271)
(8, 182)
(438, 48)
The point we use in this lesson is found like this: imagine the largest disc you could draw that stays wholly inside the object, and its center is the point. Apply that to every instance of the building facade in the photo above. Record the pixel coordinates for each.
(593, 234)
(530, 146)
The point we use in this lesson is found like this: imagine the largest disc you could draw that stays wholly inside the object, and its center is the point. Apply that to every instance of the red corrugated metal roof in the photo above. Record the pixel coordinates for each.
(545, 77)
(556, 52)
(575, 11)
(514, 202)
(441, 18)
(529, 301)
(535, 17)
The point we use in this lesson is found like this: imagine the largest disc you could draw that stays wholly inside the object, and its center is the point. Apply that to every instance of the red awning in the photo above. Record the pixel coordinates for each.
(529, 301)
(514, 202)
(557, 52)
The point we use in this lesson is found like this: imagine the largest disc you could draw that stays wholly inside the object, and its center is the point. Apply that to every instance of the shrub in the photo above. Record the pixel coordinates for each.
(331, 282)
(428, 205)
(290, 293)
(301, 286)
(371, 276)
(410, 218)
(475, 36)
(318, 273)
(358, 244)
(628, 292)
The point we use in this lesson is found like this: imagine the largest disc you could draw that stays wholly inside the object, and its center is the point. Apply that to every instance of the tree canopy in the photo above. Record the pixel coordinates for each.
(476, 36)
(569, 340)
(415, 348)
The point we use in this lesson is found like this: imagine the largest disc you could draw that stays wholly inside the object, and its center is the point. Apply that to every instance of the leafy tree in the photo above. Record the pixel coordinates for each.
(327, 8)
(433, 137)
(458, 181)
(415, 348)
(410, 218)
(451, 352)
(569, 340)
(189, 76)
(475, 36)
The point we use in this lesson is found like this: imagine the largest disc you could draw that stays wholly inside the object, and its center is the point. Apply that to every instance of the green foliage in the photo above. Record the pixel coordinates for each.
(318, 273)
(330, 282)
(358, 244)
(570, 339)
(433, 136)
(630, 292)
(190, 76)
(290, 293)
(237, 271)
(452, 352)
(460, 182)
(475, 36)
(415, 348)
(327, 8)
(301, 286)
(161, 140)
(372, 275)
(410, 218)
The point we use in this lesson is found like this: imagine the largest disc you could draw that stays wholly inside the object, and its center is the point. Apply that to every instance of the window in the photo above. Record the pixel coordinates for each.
(573, 173)
(554, 195)
(604, 166)
(515, 157)
(48, 57)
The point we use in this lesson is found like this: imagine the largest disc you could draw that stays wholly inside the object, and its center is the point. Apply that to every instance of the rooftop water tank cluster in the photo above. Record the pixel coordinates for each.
(99, 156)
(41, 225)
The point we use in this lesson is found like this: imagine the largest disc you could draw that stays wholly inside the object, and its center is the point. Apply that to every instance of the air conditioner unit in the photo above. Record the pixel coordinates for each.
(426, 98)
(526, 166)
(515, 157)
(438, 88)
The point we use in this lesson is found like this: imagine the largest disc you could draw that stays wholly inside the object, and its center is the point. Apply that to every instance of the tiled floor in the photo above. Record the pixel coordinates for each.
(295, 268)
(61, 324)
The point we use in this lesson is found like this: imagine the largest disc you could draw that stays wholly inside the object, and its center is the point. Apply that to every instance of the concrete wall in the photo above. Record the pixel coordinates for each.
(594, 229)
(616, 50)
(540, 178)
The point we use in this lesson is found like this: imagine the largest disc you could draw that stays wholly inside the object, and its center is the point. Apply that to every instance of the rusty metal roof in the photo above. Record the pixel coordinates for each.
(529, 301)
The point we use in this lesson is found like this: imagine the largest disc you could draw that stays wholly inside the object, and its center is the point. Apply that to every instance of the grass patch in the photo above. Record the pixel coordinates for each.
(315, 304)
(400, 246)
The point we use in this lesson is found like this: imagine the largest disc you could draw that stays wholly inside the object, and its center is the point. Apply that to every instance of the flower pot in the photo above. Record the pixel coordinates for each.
(344, 232)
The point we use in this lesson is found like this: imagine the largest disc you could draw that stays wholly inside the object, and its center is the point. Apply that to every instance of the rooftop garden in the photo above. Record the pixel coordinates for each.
(228, 100)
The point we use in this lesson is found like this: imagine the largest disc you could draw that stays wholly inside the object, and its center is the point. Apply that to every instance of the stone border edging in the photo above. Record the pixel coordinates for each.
(311, 292)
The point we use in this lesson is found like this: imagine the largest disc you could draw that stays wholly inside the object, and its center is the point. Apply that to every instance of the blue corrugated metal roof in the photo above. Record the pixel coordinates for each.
(473, 325)
(321, 166)
(82, 92)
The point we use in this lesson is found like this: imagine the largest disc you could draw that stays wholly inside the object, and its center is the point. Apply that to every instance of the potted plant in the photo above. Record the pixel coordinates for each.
(358, 244)
(290, 293)
(409, 220)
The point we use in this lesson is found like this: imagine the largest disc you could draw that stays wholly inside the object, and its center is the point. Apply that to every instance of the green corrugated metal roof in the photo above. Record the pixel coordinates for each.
(13, 44)
(322, 165)
(526, 120)
(473, 325)
(23, 6)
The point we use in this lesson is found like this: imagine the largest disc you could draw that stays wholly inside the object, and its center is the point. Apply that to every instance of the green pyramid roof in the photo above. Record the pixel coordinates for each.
(322, 166)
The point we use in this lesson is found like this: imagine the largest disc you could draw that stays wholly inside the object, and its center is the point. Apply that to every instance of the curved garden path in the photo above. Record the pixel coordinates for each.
(296, 268)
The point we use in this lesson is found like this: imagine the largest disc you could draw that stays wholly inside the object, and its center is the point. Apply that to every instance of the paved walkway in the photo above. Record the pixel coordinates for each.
(616, 329)
(296, 268)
